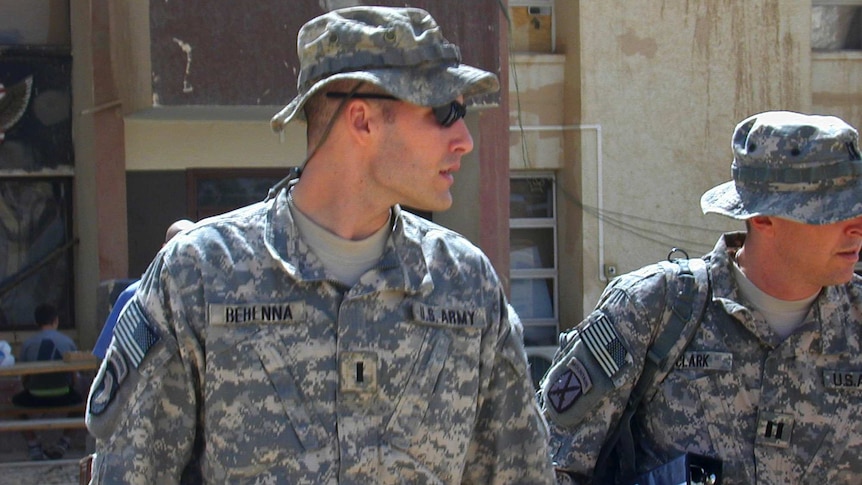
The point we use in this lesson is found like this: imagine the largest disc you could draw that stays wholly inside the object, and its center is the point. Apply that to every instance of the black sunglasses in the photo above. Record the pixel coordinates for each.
(446, 115)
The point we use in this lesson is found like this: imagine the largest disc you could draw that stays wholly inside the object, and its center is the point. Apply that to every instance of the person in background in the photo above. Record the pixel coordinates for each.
(769, 386)
(107, 333)
(47, 390)
(7, 359)
(324, 335)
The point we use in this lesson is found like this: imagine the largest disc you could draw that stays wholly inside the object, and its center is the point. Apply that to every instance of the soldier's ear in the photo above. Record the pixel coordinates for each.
(760, 222)
(358, 113)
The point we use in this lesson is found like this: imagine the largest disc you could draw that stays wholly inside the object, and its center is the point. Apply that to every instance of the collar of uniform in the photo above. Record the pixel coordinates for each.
(282, 240)
(830, 307)
(829, 329)
(834, 309)
(404, 249)
(726, 291)
(720, 263)
(402, 265)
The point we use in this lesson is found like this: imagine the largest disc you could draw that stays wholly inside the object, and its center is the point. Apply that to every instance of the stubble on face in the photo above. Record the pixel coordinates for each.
(412, 166)
(823, 255)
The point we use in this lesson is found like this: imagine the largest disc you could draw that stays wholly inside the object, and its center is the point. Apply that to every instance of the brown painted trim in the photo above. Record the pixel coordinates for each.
(494, 168)
(109, 152)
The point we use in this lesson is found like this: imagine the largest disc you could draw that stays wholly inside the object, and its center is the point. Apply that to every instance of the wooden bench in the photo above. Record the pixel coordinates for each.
(59, 414)
(49, 366)
(42, 424)
(13, 411)
(35, 421)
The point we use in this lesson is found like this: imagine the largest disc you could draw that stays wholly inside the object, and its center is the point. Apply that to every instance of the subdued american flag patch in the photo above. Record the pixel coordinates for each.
(134, 334)
(605, 345)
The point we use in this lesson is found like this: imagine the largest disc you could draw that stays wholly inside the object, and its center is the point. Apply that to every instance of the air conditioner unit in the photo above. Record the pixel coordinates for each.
(540, 360)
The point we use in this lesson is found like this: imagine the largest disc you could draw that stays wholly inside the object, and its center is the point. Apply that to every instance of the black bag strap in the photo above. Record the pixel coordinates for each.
(687, 294)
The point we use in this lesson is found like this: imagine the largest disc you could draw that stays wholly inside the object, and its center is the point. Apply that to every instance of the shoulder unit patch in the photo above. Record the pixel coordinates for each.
(569, 386)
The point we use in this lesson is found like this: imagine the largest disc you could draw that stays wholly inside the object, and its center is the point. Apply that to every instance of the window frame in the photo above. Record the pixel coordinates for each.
(838, 3)
(65, 250)
(551, 273)
(196, 176)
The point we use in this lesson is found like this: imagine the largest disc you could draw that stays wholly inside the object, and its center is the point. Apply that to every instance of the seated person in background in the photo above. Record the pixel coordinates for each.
(47, 390)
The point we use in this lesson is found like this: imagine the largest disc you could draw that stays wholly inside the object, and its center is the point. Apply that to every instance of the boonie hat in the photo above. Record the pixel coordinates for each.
(401, 50)
(805, 168)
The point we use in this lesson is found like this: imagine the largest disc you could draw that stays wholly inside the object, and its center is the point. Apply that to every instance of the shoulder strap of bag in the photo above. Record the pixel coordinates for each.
(688, 291)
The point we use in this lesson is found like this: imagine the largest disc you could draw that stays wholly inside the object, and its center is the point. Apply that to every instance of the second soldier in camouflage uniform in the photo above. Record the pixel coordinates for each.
(324, 335)
(771, 383)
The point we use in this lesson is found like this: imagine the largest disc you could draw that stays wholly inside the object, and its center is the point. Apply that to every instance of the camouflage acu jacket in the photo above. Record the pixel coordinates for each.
(774, 411)
(239, 358)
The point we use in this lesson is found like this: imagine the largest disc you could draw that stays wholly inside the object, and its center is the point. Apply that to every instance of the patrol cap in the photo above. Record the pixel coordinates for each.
(801, 167)
(401, 50)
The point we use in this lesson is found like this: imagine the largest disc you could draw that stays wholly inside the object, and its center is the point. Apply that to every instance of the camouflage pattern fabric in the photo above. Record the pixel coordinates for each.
(774, 411)
(244, 356)
(400, 50)
(806, 168)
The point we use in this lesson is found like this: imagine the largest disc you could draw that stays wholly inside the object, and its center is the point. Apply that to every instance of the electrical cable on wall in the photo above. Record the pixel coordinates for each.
(513, 69)
(614, 219)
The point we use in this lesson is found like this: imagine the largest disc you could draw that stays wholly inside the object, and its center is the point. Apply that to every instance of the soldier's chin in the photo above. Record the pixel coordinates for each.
(440, 205)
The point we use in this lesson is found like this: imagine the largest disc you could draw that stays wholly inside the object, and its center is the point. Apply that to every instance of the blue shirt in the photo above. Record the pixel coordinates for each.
(104, 340)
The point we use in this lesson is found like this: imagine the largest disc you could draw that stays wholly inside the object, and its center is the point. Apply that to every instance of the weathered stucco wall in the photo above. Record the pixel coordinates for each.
(536, 89)
(658, 88)
(836, 79)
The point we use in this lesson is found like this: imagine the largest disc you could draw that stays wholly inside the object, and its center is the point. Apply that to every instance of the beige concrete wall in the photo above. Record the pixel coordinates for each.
(130, 53)
(836, 79)
(536, 118)
(658, 88)
(176, 139)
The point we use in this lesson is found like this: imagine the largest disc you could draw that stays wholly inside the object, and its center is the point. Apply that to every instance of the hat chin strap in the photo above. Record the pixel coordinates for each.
(295, 172)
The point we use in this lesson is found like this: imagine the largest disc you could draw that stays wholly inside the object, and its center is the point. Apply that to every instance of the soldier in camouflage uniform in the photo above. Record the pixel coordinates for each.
(771, 383)
(325, 336)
